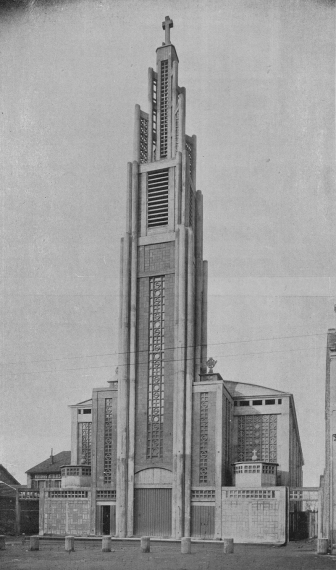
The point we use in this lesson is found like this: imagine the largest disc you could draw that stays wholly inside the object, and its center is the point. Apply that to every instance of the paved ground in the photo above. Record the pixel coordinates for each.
(163, 556)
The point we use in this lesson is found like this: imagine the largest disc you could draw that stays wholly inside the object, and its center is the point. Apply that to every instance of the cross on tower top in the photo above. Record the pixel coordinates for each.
(166, 25)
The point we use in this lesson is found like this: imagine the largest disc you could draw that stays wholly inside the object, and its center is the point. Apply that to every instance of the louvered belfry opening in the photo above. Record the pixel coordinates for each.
(157, 201)
(164, 109)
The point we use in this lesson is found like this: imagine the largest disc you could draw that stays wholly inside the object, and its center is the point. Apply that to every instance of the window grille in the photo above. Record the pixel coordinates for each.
(191, 206)
(177, 113)
(250, 494)
(248, 468)
(86, 438)
(67, 494)
(203, 494)
(29, 494)
(143, 140)
(107, 494)
(156, 367)
(154, 117)
(79, 471)
(257, 432)
(269, 469)
(164, 109)
(157, 198)
(190, 157)
(108, 441)
(203, 468)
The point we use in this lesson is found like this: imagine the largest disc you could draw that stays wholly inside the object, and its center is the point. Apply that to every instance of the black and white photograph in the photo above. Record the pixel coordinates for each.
(168, 285)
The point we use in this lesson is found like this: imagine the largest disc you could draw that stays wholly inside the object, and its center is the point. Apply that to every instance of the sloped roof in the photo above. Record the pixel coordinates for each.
(84, 403)
(237, 389)
(62, 458)
(6, 477)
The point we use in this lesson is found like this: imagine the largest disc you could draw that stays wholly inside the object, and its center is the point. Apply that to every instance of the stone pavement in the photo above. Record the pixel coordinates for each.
(126, 555)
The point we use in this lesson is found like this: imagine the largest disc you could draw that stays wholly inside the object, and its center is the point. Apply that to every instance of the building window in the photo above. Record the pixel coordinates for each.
(204, 409)
(87, 411)
(190, 157)
(156, 366)
(269, 402)
(244, 403)
(257, 433)
(108, 441)
(257, 402)
(85, 437)
(164, 109)
(143, 140)
(157, 198)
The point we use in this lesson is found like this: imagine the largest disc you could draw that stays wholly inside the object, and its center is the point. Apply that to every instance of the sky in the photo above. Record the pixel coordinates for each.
(259, 76)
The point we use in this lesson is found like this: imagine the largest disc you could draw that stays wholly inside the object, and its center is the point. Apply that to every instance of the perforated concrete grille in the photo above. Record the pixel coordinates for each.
(69, 471)
(203, 494)
(250, 494)
(177, 113)
(143, 140)
(156, 367)
(154, 116)
(107, 494)
(67, 494)
(85, 434)
(190, 157)
(157, 198)
(164, 109)
(108, 441)
(204, 425)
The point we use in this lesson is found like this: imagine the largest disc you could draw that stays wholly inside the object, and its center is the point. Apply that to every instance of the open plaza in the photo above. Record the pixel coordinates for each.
(163, 555)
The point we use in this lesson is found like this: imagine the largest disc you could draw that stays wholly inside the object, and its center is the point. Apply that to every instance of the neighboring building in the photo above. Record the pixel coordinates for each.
(327, 518)
(6, 477)
(19, 507)
(169, 448)
(48, 473)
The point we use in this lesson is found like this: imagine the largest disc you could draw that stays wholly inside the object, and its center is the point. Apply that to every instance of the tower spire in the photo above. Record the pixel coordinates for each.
(166, 25)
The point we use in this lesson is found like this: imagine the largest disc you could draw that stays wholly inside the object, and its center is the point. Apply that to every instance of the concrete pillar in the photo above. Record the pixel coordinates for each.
(34, 543)
(123, 393)
(145, 544)
(218, 460)
(193, 173)
(158, 111)
(228, 546)
(174, 107)
(106, 544)
(41, 512)
(185, 545)
(190, 369)
(178, 189)
(322, 546)
(150, 114)
(17, 513)
(205, 314)
(2, 542)
(69, 543)
(181, 125)
(199, 282)
(136, 140)
(129, 198)
(169, 109)
(132, 371)
(179, 393)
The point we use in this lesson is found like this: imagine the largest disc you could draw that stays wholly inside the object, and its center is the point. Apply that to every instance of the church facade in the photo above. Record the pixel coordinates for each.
(169, 448)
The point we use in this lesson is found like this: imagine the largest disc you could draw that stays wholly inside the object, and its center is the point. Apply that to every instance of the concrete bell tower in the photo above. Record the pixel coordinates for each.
(163, 307)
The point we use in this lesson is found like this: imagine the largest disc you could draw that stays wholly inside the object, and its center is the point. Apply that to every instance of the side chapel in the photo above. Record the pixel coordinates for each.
(168, 448)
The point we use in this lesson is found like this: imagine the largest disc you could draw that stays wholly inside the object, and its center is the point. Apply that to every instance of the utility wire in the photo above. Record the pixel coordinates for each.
(170, 348)
(164, 360)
